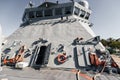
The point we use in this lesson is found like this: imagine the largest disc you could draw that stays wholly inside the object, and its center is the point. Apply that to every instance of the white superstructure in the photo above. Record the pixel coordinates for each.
(50, 30)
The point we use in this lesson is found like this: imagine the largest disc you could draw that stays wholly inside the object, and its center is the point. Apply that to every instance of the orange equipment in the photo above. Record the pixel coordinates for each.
(61, 58)
(94, 59)
(18, 57)
(82, 75)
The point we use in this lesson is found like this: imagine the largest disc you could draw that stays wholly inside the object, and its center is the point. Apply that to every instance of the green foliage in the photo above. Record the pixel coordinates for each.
(104, 42)
(112, 44)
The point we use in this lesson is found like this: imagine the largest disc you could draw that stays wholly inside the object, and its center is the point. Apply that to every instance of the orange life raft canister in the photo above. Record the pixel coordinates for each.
(94, 59)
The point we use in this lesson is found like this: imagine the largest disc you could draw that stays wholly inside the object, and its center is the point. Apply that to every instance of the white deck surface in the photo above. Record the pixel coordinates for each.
(47, 74)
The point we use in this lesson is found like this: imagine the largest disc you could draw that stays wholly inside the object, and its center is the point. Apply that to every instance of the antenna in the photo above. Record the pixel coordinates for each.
(72, 0)
(57, 2)
(45, 0)
(30, 4)
(46, 3)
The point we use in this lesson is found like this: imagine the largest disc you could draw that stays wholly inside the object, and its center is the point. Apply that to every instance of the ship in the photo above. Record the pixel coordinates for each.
(55, 41)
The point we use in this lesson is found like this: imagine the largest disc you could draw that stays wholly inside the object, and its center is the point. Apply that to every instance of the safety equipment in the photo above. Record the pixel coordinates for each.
(61, 58)
(79, 73)
(94, 60)
(18, 57)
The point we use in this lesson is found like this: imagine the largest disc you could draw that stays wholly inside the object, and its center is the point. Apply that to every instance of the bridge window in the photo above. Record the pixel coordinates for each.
(77, 10)
(48, 12)
(31, 14)
(39, 14)
(58, 11)
(87, 16)
(68, 10)
(82, 13)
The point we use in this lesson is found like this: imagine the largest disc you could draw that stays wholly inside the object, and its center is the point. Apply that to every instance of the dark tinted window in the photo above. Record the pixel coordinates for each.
(31, 14)
(58, 11)
(68, 10)
(77, 10)
(87, 16)
(48, 12)
(82, 13)
(39, 14)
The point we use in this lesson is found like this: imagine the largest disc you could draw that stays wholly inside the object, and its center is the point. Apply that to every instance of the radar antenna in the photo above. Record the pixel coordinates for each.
(46, 3)
(84, 3)
(30, 4)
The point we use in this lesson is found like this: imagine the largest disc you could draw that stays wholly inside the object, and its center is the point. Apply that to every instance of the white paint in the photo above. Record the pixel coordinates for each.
(21, 64)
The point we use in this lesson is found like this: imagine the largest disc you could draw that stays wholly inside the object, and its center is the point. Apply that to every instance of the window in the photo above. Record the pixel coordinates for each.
(31, 15)
(48, 12)
(58, 11)
(82, 13)
(87, 16)
(39, 14)
(77, 10)
(68, 10)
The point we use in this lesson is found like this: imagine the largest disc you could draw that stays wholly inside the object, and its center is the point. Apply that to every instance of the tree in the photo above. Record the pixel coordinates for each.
(104, 42)
(112, 44)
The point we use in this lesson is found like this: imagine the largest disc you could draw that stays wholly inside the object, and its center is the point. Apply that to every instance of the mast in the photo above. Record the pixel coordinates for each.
(46, 3)
(30, 4)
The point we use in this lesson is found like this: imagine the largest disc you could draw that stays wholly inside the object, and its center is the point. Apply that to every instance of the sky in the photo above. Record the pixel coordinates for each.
(105, 16)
